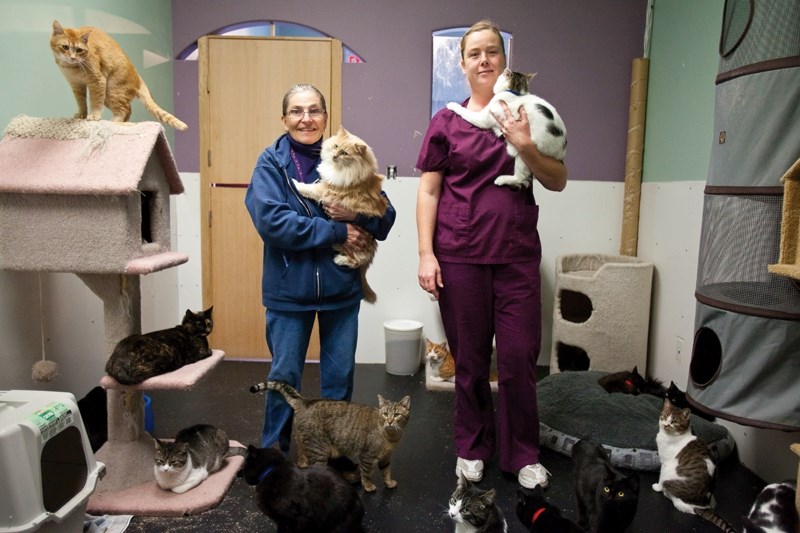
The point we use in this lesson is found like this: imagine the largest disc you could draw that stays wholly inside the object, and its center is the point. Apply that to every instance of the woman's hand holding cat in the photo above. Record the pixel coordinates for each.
(516, 131)
(337, 212)
(357, 238)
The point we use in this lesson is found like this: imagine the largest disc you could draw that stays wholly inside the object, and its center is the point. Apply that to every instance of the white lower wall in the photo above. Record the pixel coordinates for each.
(585, 218)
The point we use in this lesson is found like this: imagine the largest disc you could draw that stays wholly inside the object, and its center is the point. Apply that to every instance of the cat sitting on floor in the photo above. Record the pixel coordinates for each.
(92, 61)
(607, 499)
(540, 516)
(315, 499)
(443, 366)
(474, 510)
(196, 452)
(324, 429)
(547, 128)
(687, 466)
(142, 356)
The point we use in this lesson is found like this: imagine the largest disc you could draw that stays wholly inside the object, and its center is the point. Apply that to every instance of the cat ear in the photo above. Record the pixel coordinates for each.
(381, 401)
(85, 37)
(488, 496)
(530, 76)
(341, 131)
(57, 29)
(406, 402)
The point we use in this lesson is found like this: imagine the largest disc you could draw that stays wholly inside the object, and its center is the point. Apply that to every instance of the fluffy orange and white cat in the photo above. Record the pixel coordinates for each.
(349, 177)
(443, 366)
(93, 62)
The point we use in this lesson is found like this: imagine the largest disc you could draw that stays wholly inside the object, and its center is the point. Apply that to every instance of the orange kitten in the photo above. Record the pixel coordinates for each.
(443, 365)
(92, 61)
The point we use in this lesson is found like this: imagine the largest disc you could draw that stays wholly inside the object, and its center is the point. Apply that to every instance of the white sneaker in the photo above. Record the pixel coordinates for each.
(472, 470)
(532, 475)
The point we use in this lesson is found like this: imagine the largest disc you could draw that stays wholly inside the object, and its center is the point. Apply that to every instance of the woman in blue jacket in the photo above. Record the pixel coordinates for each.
(300, 281)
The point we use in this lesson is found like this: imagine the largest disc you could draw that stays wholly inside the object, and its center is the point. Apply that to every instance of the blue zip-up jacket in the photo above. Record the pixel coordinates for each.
(298, 272)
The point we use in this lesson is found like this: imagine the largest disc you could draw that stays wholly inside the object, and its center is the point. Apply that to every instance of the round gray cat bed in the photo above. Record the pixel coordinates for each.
(573, 406)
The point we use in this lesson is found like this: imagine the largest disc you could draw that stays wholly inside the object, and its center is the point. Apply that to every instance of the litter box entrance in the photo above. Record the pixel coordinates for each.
(64, 469)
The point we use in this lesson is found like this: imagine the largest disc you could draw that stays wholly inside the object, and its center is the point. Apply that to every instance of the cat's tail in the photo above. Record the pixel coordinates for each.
(291, 395)
(369, 295)
(144, 95)
(708, 513)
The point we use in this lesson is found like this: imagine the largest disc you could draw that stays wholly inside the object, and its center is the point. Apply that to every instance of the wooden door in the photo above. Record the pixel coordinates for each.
(242, 82)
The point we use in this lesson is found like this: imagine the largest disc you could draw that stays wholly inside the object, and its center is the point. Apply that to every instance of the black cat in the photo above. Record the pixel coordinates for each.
(139, 357)
(607, 499)
(631, 382)
(537, 514)
(678, 399)
(316, 499)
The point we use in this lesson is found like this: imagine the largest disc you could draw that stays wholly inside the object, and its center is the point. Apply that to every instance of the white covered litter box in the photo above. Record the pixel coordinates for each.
(49, 470)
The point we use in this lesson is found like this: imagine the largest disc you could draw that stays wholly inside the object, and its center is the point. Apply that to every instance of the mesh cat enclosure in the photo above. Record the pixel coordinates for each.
(746, 350)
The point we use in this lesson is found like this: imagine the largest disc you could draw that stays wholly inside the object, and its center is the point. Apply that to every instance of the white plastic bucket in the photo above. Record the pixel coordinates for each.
(404, 346)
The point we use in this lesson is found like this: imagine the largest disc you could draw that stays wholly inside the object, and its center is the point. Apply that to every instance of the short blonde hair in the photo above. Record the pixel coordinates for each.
(482, 25)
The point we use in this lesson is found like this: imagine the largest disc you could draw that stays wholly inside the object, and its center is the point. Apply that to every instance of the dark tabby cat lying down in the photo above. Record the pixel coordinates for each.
(302, 500)
(139, 357)
(325, 429)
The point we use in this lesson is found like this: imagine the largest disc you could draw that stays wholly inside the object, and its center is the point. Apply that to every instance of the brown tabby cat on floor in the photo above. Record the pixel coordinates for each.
(349, 177)
(324, 429)
(143, 356)
(443, 366)
(91, 60)
(196, 452)
(687, 466)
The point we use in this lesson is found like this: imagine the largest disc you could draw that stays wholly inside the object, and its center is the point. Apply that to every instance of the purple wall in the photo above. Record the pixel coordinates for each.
(581, 52)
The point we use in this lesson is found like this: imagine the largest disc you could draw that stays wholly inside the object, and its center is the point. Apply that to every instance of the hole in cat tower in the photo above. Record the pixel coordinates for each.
(575, 306)
(706, 358)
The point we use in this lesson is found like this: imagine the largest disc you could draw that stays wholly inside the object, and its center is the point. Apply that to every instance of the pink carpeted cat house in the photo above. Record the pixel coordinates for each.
(92, 198)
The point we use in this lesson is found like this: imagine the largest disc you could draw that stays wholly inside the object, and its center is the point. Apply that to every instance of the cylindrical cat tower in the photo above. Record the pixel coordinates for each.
(746, 352)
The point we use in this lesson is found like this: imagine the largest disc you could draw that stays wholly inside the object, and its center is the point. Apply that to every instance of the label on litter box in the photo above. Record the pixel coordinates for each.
(52, 419)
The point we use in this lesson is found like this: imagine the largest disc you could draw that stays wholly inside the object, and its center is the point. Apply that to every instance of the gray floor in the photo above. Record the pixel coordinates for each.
(423, 463)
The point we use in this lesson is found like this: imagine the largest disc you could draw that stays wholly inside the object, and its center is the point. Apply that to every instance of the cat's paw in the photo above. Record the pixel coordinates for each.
(343, 260)
(93, 116)
(368, 486)
(390, 484)
(510, 181)
(453, 106)
(79, 115)
(657, 487)
(437, 378)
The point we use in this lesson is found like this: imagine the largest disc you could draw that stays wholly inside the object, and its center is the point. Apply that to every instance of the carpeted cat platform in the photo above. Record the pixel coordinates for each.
(148, 499)
(572, 405)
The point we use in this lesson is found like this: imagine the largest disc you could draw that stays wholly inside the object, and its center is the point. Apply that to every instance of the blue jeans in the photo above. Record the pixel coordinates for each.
(288, 334)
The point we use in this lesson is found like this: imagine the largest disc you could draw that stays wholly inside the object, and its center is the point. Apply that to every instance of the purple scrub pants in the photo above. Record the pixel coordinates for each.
(479, 302)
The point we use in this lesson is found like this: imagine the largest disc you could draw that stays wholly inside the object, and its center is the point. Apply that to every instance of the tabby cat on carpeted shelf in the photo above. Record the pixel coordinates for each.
(349, 177)
(607, 499)
(92, 61)
(443, 366)
(475, 510)
(187, 461)
(687, 466)
(774, 510)
(547, 128)
(143, 356)
(315, 499)
(538, 515)
(325, 429)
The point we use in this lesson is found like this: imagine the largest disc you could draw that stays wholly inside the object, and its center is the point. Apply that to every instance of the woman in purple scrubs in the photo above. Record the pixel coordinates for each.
(479, 256)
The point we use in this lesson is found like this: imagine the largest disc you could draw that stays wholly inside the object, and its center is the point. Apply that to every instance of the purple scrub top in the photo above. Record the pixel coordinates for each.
(477, 221)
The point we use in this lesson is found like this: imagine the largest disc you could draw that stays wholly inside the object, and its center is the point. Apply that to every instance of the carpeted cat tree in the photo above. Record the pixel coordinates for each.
(92, 198)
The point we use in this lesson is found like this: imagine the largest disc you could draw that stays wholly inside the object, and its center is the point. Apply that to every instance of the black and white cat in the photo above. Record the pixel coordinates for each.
(774, 510)
(474, 510)
(547, 129)
(607, 498)
(687, 466)
(196, 452)
(315, 499)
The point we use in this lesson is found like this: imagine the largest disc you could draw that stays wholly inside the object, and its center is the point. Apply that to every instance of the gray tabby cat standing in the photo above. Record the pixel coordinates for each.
(474, 510)
(326, 429)
(142, 356)
(687, 467)
(547, 129)
(187, 461)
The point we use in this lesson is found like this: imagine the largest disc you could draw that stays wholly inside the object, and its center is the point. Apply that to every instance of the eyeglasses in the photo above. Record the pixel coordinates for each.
(298, 113)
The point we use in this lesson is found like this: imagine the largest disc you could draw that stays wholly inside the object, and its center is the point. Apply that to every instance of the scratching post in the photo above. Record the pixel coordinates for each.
(92, 198)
